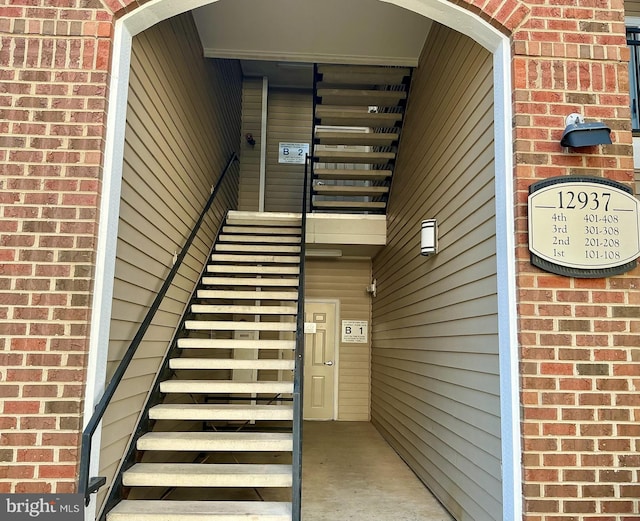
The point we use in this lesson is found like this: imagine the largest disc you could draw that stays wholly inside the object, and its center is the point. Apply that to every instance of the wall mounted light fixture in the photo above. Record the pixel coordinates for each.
(429, 237)
(580, 134)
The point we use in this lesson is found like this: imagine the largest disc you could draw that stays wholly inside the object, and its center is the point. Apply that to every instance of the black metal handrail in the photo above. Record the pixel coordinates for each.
(298, 383)
(88, 486)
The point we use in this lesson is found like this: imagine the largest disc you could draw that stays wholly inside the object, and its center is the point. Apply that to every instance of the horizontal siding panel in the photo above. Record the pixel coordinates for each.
(435, 367)
(632, 8)
(445, 434)
(183, 123)
(289, 120)
(250, 155)
(453, 490)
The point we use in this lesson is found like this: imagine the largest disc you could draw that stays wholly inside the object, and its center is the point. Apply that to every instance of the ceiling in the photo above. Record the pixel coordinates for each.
(276, 38)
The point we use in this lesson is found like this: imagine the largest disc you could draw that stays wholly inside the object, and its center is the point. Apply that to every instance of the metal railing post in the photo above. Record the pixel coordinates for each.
(298, 379)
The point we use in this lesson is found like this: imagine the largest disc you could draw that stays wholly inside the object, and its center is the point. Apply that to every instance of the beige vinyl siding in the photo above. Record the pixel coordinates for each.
(632, 8)
(183, 122)
(249, 194)
(289, 121)
(346, 280)
(435, 372)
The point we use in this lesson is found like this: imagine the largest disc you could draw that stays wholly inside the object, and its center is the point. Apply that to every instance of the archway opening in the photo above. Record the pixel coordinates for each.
(142, 18)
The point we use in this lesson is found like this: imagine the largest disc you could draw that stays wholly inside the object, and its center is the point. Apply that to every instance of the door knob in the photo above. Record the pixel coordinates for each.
(330, 362)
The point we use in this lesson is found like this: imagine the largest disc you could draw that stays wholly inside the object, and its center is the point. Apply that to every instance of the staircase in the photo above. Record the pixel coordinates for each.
(220, 447)
(358, 114)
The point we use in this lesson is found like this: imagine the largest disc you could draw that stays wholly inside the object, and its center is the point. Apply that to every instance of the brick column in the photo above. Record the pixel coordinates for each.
(579, 337)
(54, 58)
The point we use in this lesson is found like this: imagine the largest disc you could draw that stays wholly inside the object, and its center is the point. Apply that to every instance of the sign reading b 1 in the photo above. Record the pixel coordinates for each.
(293, 153)
(355, 331)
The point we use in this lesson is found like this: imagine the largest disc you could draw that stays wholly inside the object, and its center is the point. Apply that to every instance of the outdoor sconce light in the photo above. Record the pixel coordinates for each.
(429, 237)
(250, 139)
(580, 134)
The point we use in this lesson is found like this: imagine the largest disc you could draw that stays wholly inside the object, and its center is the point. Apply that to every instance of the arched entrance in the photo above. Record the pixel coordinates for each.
(443, 12)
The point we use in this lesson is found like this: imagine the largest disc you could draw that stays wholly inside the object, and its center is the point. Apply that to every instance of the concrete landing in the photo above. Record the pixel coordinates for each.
(351, 474)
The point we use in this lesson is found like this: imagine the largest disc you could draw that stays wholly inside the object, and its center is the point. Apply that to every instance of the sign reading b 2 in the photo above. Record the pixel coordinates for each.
(292, 153)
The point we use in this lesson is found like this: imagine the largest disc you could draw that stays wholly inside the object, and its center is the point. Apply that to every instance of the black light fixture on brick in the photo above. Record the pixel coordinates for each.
(580, 134)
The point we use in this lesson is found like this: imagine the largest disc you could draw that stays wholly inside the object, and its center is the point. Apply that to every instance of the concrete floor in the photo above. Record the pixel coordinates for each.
(351, 474)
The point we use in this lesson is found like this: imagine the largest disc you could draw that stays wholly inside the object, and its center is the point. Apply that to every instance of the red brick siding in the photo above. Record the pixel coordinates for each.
(578, 337)
(54, 58)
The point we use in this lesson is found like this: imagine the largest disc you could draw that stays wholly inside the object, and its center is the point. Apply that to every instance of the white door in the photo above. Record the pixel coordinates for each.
(319, 361)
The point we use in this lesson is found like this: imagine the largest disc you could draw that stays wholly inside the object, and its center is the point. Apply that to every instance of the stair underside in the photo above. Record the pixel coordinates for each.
(361, 75)
(351, 190)
(372, 158)
(358, 115)
(346, 205)
(350, 174)
(356, 138)
(340, 117)
(350, 97)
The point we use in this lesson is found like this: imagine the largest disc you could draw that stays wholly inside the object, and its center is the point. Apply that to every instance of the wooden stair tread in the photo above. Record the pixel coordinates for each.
(257, 270)
(236, 217)
(255, 248)
(212, 412)
(207, 475)
(290, 282)
(261, 230)
(158, 510)
(243, 295)
(254, 259)
(225, 386)
(231, 363)
(233, 343)
(243, 310)
(275, 239)
(204, 441)
(223, 325)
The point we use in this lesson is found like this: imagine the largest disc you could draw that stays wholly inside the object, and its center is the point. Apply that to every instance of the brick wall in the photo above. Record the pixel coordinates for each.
(54, 57)
(579, 339)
